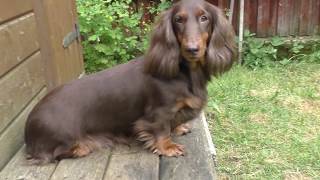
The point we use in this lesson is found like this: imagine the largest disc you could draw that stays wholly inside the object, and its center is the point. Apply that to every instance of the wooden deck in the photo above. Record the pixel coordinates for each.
(124, 163)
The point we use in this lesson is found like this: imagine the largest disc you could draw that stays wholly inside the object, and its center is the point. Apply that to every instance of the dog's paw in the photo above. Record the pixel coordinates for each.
(166, 147)
(173, 150)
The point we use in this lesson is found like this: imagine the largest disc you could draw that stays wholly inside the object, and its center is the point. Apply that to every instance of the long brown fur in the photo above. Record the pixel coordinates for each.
(147, 99)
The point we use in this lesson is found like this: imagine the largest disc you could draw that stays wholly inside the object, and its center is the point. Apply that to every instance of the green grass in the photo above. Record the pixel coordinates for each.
(266, 123)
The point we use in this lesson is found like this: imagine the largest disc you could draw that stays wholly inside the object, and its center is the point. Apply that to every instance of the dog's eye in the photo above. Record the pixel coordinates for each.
(178, 19)
(203, 18)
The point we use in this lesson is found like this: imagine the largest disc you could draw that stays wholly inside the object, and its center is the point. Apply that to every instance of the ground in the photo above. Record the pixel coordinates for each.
(266, 123)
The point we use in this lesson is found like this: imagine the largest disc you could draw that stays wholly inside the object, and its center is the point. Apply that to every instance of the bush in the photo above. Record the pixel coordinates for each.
(112, 31)
(260, 53)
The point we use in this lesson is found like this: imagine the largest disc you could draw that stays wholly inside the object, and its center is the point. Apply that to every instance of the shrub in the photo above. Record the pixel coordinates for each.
(112, 31)
(260, 53)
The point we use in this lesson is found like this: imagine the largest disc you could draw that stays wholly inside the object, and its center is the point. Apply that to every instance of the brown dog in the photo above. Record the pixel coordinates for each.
(147, 98)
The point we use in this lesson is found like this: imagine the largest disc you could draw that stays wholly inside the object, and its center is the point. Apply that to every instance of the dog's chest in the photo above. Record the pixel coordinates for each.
(187, 113)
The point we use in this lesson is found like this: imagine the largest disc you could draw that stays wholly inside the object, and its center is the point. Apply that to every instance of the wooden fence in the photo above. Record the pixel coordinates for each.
(271, 17)
(277, 17)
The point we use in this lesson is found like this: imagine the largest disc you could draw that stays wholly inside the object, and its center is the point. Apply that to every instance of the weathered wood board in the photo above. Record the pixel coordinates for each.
(91, 167)
(19, 87)
(12, 139)
(13, 8)
(63, 64)
(132, 164)
(197, 164)
(267, 18)
(18, 40)
(19, 169)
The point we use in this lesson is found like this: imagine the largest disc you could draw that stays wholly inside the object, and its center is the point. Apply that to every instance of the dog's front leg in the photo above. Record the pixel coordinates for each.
(156, 135)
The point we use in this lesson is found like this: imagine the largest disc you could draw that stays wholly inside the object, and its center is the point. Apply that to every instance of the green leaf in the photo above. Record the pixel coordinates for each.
(93, 37)
(277, 41)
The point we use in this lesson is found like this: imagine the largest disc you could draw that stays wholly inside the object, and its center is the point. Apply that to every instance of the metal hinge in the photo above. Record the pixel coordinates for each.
(71, 36)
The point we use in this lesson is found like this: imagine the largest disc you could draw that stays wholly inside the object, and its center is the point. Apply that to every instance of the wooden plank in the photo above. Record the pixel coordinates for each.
(18, 87)
(77, 47)
(267, 18)
(13, 8)
(62, 64)
(12, 139)
(197, 164)
(18, 40)
(294, 17)
(318, 19)
(132, 164)
(263, 22)
(284, 17)
(273, 18)
(314, 14)
(304, 18)
(18, 168)
(91, 167)
(224, 4)
(250, 15)
(214, 2)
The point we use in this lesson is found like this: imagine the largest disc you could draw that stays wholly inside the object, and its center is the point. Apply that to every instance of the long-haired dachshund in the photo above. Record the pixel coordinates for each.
(149, 98)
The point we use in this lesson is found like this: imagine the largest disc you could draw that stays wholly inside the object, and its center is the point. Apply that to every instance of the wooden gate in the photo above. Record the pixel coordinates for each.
(57, 19)
(33, 60)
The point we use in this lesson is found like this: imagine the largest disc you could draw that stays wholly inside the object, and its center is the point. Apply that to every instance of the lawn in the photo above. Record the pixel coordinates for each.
(266, 123)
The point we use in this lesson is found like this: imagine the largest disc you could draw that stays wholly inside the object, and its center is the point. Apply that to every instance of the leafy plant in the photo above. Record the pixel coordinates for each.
(111, 32)
(260, 53)
(163, 5)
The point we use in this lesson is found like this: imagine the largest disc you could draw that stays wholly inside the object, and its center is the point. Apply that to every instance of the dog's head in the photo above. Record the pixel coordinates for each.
(194, 31)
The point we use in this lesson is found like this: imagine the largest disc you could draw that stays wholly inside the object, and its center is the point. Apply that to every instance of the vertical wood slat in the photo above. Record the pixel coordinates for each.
(214, 2)
(263, 18)
(267, 18)
(250, 15)
(284, 17)
(77, 46)
(273, 17)
(224, 4)
(235, 19)
(304, 18)
(314, 14)
(294, 14)
(63, 64)
(318, 23)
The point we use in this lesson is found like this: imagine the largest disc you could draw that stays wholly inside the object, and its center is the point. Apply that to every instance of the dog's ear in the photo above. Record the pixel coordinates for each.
(162, 58)
(221, 50)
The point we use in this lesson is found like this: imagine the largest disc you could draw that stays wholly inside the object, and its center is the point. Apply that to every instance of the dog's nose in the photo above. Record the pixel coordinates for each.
(193, 49)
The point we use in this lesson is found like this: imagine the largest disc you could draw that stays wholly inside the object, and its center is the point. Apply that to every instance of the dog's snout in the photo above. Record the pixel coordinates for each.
(193, 48)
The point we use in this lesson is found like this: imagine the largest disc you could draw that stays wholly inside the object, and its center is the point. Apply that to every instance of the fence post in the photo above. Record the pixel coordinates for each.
(241, 20)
